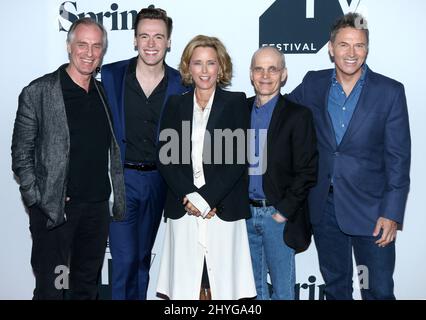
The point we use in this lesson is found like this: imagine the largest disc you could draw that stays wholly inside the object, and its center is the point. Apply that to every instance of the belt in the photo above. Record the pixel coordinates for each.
(141, 166)
(330, 190)
(259, 203)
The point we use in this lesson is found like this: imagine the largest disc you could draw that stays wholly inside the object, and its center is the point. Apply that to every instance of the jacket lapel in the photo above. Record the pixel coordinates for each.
(325, 116)
(58, 108)
(215, 112)
(120, 73)
(186, 110)
(273, 125)
(363, 107)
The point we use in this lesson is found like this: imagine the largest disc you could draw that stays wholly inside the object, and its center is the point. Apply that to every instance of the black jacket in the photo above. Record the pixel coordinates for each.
(226, 184)
(292, 161)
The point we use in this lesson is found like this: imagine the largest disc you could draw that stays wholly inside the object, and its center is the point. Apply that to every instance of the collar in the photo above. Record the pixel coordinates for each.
(271, 103)
(209, 103)
(360, 80)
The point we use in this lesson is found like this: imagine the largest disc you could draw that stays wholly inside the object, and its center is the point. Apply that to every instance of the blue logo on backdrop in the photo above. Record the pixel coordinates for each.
(301, 26)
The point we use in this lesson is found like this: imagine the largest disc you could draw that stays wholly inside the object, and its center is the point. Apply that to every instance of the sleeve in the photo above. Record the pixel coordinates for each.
(199, 202)
(305, 165)
(23, 148)
(397, 158)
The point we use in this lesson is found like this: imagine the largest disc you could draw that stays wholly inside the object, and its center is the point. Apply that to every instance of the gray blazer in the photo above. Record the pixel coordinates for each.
(40, 150)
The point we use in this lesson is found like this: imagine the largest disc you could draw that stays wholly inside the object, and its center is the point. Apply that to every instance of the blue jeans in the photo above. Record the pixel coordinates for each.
(335, 258)
(270, 253)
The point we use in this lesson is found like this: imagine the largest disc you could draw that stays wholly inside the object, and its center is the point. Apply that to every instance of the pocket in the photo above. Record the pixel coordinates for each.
(374, 184)
(37, 218)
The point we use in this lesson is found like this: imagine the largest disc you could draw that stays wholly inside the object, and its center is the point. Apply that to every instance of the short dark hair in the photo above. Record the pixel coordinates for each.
(88, 21)
(352, 20)
(154, 13)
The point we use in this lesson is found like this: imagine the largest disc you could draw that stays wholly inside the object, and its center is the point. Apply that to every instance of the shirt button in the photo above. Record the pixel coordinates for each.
(344, 108)
(343, 125)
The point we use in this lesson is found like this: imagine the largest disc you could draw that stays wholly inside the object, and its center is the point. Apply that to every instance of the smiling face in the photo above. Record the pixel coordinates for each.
(85, 50)
(151, 41)
(349, 50)
(204, 68)
(267, 74)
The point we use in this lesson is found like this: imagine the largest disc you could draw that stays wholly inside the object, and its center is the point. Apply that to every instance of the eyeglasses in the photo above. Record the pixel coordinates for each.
(270, 70)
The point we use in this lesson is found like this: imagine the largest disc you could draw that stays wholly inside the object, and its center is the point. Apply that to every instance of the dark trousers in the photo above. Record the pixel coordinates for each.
(376, 265)
(78, 245)
(132, 239)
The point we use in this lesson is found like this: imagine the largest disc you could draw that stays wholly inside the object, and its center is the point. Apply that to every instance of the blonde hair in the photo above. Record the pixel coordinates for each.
(225, 63)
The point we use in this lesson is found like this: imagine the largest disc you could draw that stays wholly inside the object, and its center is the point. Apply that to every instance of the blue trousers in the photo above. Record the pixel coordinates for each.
(269, 253)
(132, 239)
(376, 264)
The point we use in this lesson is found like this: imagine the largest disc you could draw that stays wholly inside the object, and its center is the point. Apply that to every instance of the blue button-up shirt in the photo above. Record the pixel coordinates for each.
(341, 107)
(260, 119)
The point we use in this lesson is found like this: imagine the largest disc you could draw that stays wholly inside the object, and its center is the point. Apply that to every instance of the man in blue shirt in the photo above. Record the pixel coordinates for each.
(361, 121)
(283, 166)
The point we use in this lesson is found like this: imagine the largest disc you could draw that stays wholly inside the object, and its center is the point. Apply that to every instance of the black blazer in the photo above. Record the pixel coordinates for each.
(226, 184)
(292, 161)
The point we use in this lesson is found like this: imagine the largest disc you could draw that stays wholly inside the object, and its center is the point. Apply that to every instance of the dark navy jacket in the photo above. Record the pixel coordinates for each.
(113, 80)
(370, 167)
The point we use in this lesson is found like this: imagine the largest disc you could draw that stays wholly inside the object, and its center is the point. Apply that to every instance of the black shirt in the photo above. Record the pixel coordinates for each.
(90, 139)
(142, 115)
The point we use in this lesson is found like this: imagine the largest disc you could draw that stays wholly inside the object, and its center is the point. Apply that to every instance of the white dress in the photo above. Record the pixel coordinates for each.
(189, 240)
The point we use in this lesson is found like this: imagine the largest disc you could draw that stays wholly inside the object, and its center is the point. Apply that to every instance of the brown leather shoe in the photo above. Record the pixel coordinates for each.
(205, 294)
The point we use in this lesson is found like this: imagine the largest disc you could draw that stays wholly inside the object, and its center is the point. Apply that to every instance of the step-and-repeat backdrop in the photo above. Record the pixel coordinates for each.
(33, 43)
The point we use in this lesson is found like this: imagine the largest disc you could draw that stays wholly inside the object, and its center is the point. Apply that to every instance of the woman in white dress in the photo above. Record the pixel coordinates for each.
(202, 157)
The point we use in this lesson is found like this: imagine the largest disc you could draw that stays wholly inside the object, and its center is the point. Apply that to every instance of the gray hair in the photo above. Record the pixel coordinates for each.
(350, 20)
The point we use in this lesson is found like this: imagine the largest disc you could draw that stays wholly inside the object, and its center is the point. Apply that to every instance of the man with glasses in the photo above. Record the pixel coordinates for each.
(279, 182)
(137, 90)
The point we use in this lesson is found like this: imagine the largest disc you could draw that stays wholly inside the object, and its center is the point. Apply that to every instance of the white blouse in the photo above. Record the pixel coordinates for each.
(199, 123)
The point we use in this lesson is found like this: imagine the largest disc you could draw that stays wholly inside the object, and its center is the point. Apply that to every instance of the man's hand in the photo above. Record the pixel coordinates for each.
(190, 208)
(278, 217)
(389, 231)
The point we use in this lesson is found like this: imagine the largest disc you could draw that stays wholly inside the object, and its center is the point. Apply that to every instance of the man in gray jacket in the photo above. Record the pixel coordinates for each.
(63, 152)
